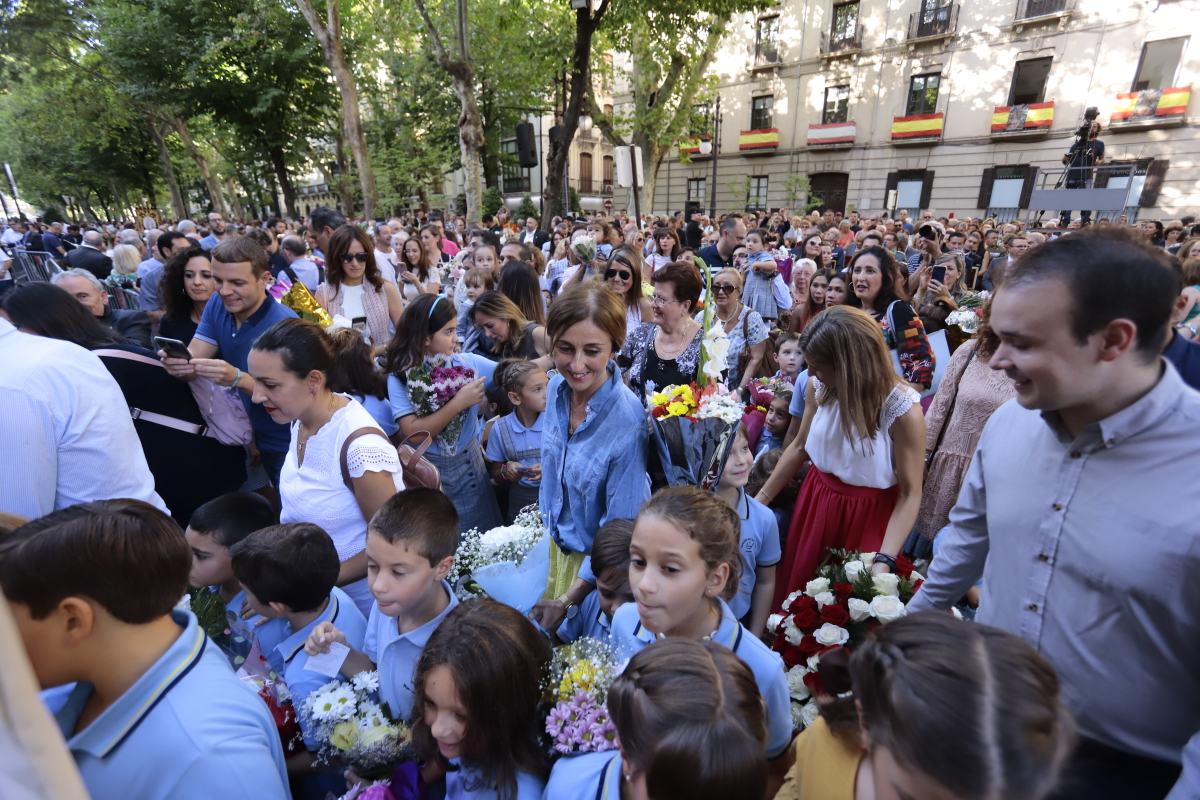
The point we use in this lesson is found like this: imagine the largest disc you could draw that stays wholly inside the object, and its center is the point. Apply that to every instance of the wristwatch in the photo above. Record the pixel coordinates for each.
(1188, 327)
(566, 601)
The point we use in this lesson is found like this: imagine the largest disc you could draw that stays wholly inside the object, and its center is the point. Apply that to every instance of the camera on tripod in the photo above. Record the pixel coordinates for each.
(1085, 129)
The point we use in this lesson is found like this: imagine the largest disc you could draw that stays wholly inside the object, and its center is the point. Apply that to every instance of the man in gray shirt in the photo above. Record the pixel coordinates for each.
(1079, 509)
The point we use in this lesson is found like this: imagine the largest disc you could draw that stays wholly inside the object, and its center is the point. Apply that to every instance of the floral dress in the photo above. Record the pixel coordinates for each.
(750, 329)
(648, 372)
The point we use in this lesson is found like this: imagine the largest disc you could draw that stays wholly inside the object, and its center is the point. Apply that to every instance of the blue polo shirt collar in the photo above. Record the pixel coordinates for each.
(257, 316)
(728, 633)
(289, 647)
(418, 637)
(517, 427)
(106, 733)
(609, 787)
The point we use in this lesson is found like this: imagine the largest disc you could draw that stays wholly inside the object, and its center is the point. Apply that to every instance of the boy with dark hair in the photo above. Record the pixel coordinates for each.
(213, 529)
(290, 574)
(411, 542)
(592, 618)
(155, 711)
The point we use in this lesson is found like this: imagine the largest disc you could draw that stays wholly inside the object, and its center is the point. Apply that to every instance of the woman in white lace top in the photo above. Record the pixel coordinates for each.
(864, 434)
(340, 467)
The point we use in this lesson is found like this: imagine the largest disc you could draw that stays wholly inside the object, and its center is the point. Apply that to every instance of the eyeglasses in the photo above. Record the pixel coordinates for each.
(359, 257)
(724, 288)
(623, 274)
(659, 300)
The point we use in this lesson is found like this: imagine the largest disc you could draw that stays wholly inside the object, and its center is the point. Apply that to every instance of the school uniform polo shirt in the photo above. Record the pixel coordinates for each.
(396, 654)
(585, 621)
(630, 636)
(289, 660)
(508, 429)
(758, 544)
(464, 782)
(586, 776)
(187, 729)
(219, 328)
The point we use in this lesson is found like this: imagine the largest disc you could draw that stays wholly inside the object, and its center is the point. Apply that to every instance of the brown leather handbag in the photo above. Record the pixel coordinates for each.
(416, 469)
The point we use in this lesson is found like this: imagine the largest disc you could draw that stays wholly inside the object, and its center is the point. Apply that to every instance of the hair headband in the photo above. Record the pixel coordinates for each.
(437, 298)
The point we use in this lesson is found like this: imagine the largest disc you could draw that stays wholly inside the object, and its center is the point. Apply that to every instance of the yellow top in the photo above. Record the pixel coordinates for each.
(825, 766)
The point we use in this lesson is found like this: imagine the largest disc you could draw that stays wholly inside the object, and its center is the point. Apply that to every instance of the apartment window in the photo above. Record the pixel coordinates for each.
(1159, 64)
(701, 121)
(845, 24)
(1029, 81)
(697, 190)
(585, 173)
(766, 41)
(837, 104)
(760, 112)
(923, 93)
(756, 197)
(608, 172)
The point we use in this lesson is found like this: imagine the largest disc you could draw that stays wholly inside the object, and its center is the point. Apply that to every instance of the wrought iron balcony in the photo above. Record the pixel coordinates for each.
(1033, 9)
(933, 22)
(835, 43)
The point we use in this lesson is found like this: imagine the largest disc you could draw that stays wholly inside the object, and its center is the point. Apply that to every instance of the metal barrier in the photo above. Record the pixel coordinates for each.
(1109, 190)
(33, 265)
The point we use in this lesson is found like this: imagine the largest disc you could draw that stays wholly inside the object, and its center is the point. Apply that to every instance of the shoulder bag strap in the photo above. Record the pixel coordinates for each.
(950, 408)
(346, 451)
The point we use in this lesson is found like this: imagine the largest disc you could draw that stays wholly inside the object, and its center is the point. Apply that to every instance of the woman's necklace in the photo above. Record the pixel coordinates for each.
(674, 344)
(737, 312)
(302, 438)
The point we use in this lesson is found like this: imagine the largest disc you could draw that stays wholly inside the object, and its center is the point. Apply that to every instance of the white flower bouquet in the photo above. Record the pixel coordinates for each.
(509, 563)
(835, 610)
(353, 728)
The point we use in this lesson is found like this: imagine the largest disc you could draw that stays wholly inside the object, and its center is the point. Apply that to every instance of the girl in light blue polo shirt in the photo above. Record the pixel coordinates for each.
(425, 336)
(477, 698)
(684, 562)
(690, 722)
(514, 447)
(758, 542)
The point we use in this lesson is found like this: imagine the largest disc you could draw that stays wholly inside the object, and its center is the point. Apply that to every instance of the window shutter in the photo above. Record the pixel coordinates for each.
(1027, 189)
(893, 180)
(985, 189)
(1156, 173)
(926, 188)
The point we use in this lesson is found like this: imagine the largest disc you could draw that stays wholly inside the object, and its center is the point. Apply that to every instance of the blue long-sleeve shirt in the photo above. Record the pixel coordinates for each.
(596, 474)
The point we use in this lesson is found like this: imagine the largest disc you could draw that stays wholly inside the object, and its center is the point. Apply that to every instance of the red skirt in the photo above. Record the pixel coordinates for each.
(830, 514)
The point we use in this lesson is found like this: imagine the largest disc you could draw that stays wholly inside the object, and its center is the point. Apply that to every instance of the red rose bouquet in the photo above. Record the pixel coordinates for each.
(837, 609)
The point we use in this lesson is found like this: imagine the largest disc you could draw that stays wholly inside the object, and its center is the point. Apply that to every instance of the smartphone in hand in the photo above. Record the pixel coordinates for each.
(173, 347)
(939, 274)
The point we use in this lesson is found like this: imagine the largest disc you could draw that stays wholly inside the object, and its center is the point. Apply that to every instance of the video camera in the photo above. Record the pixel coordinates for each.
(1085, 129)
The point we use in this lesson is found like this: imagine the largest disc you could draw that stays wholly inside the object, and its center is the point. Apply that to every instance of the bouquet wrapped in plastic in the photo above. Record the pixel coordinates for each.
(354, 729)
(691, 433)
(510, 563)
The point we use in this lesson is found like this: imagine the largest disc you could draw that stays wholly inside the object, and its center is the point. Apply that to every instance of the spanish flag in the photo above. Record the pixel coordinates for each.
(1037, 115)
(765, 138)
(1136, 105)
(918, 126)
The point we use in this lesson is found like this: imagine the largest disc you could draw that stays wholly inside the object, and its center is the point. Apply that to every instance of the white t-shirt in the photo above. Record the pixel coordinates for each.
(314, 492)
(387, 264)
(866, 462)
(352, 302)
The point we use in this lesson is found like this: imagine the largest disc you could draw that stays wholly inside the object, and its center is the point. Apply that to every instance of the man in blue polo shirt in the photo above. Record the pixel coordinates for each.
(236, 315)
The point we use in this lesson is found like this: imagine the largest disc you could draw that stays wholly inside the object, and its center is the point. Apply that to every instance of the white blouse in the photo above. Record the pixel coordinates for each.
(314, 492)
(865, 462)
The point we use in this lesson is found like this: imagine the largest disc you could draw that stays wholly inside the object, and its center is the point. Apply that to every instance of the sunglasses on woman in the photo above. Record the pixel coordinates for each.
(623, 274)
(359, 257)
(724, 288)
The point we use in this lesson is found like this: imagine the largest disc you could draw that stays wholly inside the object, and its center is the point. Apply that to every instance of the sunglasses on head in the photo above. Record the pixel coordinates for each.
(359, 257)
(623, 274)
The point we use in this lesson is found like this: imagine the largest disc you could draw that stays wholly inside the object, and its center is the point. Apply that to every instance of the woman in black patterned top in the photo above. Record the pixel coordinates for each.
(667, 350)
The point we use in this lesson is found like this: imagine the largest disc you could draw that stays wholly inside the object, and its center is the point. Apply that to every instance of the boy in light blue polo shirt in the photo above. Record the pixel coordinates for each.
(592, 618)
(411, 542)
(212, 529)
(157, 712)
(290, 574)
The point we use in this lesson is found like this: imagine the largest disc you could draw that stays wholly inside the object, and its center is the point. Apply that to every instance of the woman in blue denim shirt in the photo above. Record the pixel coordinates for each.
(593, 442)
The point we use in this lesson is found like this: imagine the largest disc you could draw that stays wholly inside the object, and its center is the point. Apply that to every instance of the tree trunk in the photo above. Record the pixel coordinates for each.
(285, 181)
(178, 207)
(210, 180)
(329, 35)
(586, 23)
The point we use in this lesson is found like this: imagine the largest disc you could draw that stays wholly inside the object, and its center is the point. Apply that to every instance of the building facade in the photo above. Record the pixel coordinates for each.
(961, 107)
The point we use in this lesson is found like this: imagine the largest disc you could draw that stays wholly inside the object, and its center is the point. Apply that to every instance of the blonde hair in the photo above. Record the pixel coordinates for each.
(731, 273)
(847, 345)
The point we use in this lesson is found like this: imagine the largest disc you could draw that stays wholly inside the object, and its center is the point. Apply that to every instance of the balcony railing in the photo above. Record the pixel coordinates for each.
(1033, 9)
(933, 23)
(834, 43)
(766, 55)
(516, 183)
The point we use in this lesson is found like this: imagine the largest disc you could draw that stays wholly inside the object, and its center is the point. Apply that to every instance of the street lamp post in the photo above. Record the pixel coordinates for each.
(713, 147)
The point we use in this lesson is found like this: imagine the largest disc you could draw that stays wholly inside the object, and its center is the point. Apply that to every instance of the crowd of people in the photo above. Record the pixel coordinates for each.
(249, 413)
